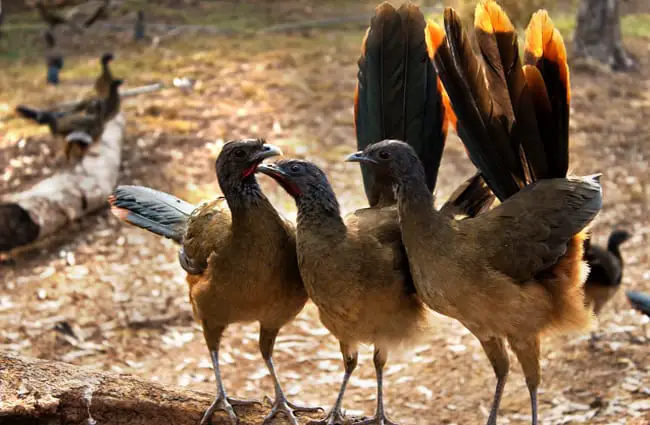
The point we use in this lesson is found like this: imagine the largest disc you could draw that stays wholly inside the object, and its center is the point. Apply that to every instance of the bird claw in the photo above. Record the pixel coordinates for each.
(225, 404)
(282, 405)
(376, 420)
(334, 417)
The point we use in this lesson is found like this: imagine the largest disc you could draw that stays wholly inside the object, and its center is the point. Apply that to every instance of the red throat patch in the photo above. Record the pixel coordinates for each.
(250, 170)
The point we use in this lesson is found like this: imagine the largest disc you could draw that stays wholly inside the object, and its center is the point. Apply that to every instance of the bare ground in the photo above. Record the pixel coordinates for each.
(113, 297)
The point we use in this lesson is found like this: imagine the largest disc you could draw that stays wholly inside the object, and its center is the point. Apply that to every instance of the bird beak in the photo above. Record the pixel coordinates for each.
(359, 157)
(272, 170)
(268, 151)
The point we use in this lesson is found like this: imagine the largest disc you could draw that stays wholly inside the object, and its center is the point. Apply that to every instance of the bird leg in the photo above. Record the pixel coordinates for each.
(527, 351)
(221, 401)
(335, 416)
(380, 418)
(495, 349)
(281, 404)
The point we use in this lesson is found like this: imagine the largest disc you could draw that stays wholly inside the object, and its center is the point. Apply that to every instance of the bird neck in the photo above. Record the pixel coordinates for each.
(319, 208)
(241, 194)
(415, 202)
(613, 246)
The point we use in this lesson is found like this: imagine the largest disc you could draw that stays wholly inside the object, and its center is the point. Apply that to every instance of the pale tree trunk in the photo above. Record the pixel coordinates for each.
(54, 203)
(43, 392)
(598, 35)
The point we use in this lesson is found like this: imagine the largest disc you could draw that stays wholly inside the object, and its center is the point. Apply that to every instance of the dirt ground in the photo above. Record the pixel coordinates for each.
(113, 297)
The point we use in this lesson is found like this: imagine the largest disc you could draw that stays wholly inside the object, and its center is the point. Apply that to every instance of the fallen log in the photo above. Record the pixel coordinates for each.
(49, 392)
(53, 203)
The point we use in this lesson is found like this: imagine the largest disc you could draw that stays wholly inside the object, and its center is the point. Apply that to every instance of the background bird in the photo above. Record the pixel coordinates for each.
(605, 269)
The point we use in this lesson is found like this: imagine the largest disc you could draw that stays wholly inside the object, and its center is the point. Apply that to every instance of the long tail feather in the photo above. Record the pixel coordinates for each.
(545, 50)
(485, 134)
(398, 95)
(41, 117)
(470, 199)
(152, 210)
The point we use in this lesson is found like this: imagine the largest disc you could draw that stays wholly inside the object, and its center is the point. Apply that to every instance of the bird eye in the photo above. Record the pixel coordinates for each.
(239, 153)
(295, 168)
(384, 155)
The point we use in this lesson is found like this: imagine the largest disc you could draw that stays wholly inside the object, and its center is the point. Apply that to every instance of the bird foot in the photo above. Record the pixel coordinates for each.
(376, 420)
(225, 404)
(335, 417)
(282, 405)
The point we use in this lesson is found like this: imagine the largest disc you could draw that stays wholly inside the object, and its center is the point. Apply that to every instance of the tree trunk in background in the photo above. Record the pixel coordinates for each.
(598, 34)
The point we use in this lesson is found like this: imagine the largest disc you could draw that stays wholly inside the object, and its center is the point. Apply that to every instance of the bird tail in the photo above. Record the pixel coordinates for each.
(398, 94)
(513, 119)
(41, 117)
(513, 115)
(640, 301)
(470, 199)
(152, 210)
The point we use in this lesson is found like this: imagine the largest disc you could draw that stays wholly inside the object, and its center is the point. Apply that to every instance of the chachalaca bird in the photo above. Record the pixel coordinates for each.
(605, 270)
(103, 82)
(516, 271)
(239, 254)
(78, 129)
(354, 268)
(53, 58)
(640, 301)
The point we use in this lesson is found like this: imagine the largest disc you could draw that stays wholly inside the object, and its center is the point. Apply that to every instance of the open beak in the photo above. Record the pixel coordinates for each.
(359, 157)
(272, 170)
(268, 151)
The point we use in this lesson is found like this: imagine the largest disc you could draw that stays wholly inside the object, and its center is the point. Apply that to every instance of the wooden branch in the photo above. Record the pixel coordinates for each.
(123, 94)
(68, 195)
(56, 392)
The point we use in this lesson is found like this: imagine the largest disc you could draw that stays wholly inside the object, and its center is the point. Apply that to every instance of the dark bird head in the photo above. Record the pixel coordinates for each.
(238, 160)
(617, 238)
(390, 159)
(297, 177)
(306, 183)
(106, 58)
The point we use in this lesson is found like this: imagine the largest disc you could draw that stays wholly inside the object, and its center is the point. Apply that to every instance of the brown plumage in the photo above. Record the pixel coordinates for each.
(516, 271)
(240, 256)
(81, 127)
(354, 268)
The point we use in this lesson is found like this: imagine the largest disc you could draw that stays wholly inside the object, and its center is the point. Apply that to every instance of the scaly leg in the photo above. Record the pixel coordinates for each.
(380, 357)
(527, 351)
(281, 404)
(221, 402)
(335, 416)
(495, 349)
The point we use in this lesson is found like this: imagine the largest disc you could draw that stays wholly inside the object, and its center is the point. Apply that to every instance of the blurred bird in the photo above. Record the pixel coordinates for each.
(605, 270)
(53, 57)
(514, 272)
(640, 301)
(79, 129)
(139, 26)
(240, 257)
